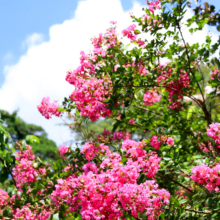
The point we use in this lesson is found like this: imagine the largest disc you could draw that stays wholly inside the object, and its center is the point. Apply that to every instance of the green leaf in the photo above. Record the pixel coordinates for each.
(183, 201)
(167, 158)
(61, 110)
(190, 111)
(31, 139)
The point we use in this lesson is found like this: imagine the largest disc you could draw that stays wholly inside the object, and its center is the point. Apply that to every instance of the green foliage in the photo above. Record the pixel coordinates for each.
(34, 135)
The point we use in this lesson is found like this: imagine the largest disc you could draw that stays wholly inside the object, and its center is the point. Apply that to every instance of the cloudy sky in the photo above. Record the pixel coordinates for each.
(41, 40)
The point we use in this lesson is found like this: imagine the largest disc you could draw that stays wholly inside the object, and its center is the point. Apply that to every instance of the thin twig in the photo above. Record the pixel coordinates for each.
(180, 184)
(147, 109)
(192, 210)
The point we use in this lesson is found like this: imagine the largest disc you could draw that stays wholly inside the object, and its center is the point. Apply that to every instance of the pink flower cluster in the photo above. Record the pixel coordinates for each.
(174, 87)
(63, 149)
(150, 97)
(206, 176)
(154, 5)
(4, 199)
(203, 147)
(107, 192)
(107, 136)
(147, 163)
(89, 96)
(215, 74)
(90, 150)
(131, 121)
(26, 212)
(163, 139)
(214, 133)
(130, 33)
(24, 172)
(47, 109)
(108, 39)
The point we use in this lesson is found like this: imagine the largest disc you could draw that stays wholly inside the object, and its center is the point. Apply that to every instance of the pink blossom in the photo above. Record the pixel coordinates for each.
(47, 109)
(155, 143)
(206, 176)
(215, 73)
(63, 149)
(214, 133)
(4, 199)
(170, 141)
(113, 22)
(129, 33)
(151, 97)
(154, 5)
(131, 121)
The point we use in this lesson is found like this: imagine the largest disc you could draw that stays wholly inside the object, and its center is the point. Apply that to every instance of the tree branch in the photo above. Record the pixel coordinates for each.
(192, 210)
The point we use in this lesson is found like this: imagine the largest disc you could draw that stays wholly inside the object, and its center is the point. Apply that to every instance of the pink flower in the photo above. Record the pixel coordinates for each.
(113, 22)
(151, 97)
(131, 121)
(214, 133)
(129, 33)
(4, 199)
(155, 143)
(215, 73)
(63, 149)
(47, 109)
(170, 141)
(154, 5)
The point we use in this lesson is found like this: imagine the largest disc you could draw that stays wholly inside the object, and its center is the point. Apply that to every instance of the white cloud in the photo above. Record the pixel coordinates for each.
(42, 69)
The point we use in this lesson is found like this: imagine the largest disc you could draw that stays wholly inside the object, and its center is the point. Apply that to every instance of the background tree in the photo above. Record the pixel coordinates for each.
(18, 129)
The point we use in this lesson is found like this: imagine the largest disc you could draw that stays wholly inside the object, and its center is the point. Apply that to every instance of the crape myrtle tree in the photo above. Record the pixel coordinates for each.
(155, 84)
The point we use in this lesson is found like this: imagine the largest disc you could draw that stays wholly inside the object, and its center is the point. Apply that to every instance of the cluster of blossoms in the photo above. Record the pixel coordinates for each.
(47, 109)
(204, 148)
(163, 140)
(181, 193)
(25, 172)
(214, 74)
(107, 136)
(89, 96)
(130, 33)
(174, 87)
(153, 5)
(209, 177)
(131, 121)
(214, 133)
(29, 214)
(106, 192)
(145, 162)
(4, 198)
(150, 97)
(63, 149)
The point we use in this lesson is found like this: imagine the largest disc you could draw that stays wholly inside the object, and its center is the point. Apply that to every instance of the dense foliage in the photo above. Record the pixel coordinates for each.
(161, 160)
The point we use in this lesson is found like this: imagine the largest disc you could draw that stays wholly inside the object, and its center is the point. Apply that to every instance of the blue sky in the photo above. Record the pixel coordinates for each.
(20, 19)
(41, 39)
